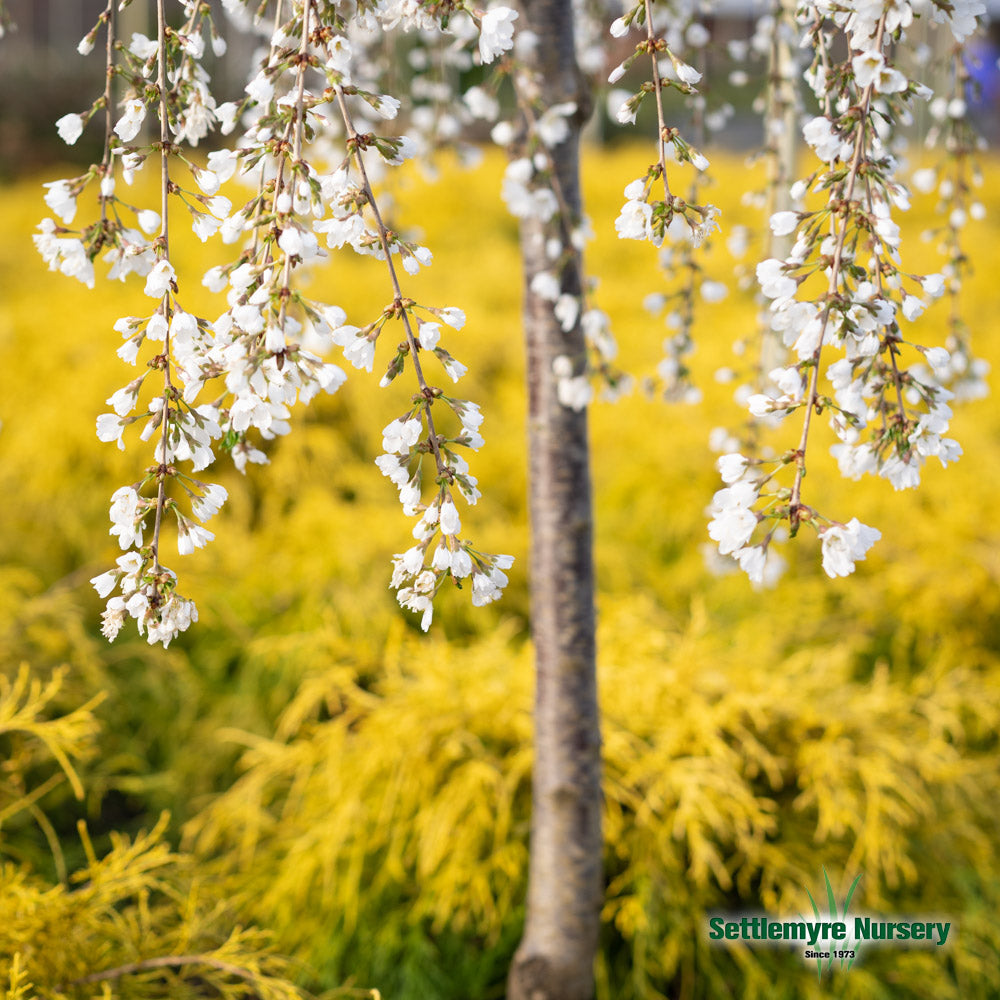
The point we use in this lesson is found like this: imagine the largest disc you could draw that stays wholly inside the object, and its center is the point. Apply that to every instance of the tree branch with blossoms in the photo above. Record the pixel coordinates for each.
(255, 347)
(148, 588)
(955, 177)
(904, 416)
(889, 414)
(683, 223)
(641, 218)
(773, 44)
(682, 260)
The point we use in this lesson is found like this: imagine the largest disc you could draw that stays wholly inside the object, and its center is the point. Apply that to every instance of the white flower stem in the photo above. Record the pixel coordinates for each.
(658, 92)
(165, 249)
(893, 350)
(383, 234)
(262, 183)
(109, 98)
(864, 106)
(297, 125)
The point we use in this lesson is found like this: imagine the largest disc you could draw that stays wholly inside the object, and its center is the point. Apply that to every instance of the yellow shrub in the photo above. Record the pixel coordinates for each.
(378, 818)
(136, 922)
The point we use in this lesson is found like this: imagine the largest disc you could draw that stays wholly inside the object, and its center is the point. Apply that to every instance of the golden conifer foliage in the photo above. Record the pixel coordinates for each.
(361, 790)
(381, 828)
(136, 921)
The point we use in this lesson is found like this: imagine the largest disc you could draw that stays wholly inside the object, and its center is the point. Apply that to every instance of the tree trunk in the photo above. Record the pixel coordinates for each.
(555, 960)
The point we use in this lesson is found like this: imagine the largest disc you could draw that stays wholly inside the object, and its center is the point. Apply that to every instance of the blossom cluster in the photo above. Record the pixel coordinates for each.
(263, 353)
(315, 132)
(674, 41)
(415, 439)
(772, 56)
(163, 75)
(645, 216)
(532, 192)
(843, 285)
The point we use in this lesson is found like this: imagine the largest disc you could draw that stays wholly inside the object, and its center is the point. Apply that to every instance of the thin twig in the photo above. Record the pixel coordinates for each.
(165, 245)
(165, 962)
(383, 234)
(262, 183)
(297, 124)
(109, 95)
(852, 174)
(658, 90)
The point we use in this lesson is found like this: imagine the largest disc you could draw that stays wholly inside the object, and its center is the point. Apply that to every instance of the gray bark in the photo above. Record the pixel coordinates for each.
(555, 959)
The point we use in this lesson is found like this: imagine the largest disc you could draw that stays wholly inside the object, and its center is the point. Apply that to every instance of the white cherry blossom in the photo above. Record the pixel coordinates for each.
(496, 33)
(70, 128)
(846, 544)
(127, 127)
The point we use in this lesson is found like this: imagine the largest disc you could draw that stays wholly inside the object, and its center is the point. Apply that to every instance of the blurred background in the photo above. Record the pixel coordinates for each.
(39, 67)
(362, 790)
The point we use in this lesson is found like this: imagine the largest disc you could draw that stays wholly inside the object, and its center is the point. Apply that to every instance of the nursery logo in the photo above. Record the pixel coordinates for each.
(831, 936)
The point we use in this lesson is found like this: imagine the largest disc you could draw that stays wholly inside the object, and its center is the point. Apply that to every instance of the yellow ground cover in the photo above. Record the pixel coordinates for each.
(377, 816)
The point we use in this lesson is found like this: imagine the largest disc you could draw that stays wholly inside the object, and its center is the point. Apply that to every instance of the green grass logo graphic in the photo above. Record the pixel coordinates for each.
(847, 960)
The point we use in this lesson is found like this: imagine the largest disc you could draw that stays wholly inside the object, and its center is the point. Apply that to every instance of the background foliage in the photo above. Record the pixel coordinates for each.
(362, 790)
